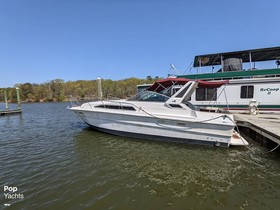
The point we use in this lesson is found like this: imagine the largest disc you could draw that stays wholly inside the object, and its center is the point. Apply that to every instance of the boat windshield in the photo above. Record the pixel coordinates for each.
(149, 96)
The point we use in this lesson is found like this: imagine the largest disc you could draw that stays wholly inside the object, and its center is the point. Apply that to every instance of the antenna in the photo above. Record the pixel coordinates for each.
(189, 68)
(175, 69)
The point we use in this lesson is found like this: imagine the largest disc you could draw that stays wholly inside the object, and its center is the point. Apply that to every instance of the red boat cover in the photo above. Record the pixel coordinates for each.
(206, 84)
(159, 85)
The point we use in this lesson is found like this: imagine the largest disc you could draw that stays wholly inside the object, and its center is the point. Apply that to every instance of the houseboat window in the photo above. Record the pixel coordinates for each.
(206, 94)
(247, 91)
(171, 90)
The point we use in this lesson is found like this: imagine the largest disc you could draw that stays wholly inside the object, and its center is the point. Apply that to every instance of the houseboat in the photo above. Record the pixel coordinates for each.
(246, 86)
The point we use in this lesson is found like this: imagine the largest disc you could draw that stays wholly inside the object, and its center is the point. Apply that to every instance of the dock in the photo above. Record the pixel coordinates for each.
(10, 112)
(261, 127)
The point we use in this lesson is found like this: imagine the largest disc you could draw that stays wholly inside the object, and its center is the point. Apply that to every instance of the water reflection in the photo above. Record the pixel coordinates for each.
(199, 175)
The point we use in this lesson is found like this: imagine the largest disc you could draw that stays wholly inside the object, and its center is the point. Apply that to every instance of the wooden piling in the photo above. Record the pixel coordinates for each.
(18, 98)
(6, 100)
(7, 111)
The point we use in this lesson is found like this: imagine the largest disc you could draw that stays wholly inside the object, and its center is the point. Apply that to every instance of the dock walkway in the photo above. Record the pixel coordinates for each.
(266, 125)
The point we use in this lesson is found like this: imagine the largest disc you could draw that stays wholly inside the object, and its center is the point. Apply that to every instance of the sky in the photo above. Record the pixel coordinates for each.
(42, 40)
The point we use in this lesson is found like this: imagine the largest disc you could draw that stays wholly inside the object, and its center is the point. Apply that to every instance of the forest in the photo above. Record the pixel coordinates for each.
(58, 90)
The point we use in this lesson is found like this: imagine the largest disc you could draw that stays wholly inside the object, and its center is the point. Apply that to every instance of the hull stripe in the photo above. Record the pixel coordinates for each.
(158, 138)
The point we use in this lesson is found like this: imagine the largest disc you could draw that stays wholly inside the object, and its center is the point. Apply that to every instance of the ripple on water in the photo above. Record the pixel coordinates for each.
(58, 163)
(187, 172)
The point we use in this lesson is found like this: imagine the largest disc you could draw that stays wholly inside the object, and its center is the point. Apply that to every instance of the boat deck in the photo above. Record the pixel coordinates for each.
(265, 125)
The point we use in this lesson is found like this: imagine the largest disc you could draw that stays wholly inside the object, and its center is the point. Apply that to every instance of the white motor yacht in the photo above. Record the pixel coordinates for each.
(155, 116)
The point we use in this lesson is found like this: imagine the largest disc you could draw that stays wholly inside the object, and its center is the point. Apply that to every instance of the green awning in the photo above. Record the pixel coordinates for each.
(232, 74)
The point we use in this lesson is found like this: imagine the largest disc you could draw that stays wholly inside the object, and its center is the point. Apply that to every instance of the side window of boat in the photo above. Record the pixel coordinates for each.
(247, 91)
(206, 94)
(116, 107)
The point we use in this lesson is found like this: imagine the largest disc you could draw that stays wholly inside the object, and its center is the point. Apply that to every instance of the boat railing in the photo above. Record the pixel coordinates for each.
(73, 101)
(111, 97)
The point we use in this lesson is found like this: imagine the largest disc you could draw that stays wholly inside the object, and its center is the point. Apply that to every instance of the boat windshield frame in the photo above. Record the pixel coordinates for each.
(149, 96)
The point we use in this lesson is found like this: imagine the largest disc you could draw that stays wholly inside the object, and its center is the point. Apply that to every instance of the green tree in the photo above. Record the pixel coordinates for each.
(59, 90)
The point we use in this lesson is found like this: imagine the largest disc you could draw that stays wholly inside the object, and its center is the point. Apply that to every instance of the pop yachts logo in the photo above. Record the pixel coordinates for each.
(11, 193)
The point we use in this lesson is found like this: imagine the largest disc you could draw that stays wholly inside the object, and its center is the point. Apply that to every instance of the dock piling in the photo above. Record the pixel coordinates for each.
(7, 111)
(6, 100)
(18, 98)
(99, 88)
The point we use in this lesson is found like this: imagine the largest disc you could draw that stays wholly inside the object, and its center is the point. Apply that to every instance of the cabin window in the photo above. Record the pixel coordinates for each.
(206, 94)
(116, 107)
(247, 91)
(175, 105)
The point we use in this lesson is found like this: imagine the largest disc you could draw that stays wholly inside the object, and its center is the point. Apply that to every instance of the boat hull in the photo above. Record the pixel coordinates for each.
(158, 138)
(152, 128)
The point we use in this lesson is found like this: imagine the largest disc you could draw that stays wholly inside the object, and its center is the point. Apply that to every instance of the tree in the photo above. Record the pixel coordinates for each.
(58, 90)
(149, 78)
(26, 91)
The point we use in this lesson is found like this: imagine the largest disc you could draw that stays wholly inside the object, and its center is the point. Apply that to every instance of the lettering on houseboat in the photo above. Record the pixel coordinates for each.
(269, 90)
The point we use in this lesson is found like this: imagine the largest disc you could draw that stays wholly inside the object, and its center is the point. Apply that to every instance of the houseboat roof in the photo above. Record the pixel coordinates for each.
(254, 55)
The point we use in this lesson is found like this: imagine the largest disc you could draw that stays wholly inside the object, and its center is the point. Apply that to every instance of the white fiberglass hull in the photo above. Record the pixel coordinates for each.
(154, 116)
(141, 125)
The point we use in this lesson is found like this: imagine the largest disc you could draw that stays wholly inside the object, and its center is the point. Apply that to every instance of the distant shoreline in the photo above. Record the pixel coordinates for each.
(85, 90)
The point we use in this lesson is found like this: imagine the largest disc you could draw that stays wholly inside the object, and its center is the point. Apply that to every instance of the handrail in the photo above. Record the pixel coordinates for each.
(73, 100)
(90, 105)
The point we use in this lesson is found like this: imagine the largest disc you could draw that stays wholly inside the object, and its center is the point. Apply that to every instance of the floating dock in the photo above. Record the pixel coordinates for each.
(261, 127)
(10, 112)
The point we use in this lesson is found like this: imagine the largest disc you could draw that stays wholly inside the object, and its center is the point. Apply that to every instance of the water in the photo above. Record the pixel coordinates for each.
(57, 162)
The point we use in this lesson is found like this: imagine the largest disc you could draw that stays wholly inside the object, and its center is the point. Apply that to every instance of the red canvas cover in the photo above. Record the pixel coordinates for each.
(206, 84)
(159, 85)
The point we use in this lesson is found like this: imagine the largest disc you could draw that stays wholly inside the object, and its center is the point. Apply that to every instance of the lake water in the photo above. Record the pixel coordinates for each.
(55, 161)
